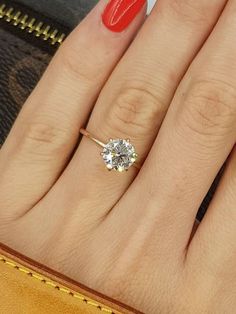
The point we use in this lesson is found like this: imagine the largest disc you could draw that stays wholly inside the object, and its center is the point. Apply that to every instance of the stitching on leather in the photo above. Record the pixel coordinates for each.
(55, 286)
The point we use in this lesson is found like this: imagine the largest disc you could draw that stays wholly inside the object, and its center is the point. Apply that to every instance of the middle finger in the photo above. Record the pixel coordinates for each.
(196, 137)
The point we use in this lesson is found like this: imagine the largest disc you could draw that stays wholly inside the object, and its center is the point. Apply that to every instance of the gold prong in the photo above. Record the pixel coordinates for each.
(111, 139)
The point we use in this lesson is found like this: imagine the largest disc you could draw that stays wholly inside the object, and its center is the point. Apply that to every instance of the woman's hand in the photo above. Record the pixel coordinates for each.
(129, 235)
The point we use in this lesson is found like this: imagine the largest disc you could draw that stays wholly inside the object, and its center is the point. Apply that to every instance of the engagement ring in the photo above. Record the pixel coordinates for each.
(117, 154)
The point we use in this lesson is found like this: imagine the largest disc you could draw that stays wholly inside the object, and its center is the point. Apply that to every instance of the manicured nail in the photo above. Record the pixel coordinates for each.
(118, 14)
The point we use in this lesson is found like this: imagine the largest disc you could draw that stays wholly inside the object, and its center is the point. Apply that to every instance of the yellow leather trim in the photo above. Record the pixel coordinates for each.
(23, 290)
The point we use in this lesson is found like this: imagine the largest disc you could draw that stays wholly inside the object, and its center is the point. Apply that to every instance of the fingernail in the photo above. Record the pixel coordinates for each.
(118, 14)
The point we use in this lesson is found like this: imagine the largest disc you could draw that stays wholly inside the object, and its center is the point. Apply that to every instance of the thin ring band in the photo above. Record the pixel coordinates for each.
(103, 145)
(91, 137)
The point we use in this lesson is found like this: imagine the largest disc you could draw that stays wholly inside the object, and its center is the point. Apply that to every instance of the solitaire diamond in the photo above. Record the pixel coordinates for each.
(119, 155)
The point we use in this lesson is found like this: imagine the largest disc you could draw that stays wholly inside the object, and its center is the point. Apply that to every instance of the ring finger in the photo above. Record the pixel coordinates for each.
(135, 99)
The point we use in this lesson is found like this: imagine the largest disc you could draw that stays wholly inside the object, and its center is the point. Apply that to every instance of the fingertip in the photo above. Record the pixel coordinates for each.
(119, 14)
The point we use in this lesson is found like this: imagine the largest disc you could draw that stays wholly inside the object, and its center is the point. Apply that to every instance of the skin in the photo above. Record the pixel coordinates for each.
(129, 235)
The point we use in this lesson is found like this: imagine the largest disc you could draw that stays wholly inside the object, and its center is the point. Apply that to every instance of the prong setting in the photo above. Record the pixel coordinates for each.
(109, 167)
(119, 155)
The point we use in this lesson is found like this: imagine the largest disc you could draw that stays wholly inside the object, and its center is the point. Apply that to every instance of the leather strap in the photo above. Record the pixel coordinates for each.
(28, 287)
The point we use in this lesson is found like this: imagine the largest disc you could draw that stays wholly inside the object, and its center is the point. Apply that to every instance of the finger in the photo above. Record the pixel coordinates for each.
(217, 232)
(46, 130)
(213, 248)
(196, 137)
(135, 99)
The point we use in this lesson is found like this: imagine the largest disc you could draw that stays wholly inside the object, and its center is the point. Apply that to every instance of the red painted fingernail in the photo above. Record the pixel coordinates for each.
(118, 14)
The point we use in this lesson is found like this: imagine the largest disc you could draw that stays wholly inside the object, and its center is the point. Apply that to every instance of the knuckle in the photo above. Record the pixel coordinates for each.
(44, 139)
(136, 111)
(77, 68)
(190, 11)
(210, 107)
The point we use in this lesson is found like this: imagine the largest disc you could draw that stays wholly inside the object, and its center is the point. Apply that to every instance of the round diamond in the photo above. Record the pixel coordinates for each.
(119, 155)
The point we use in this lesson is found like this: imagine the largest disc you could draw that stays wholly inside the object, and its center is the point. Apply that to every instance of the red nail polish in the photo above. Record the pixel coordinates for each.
(118, 14)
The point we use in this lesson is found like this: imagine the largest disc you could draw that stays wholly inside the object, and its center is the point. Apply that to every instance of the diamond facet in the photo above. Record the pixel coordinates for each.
(119, 155)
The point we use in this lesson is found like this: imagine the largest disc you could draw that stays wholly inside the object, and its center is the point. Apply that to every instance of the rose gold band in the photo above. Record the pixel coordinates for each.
(91, 137)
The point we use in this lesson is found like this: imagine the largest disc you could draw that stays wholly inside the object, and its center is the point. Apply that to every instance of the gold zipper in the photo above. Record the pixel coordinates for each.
(31, 25)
